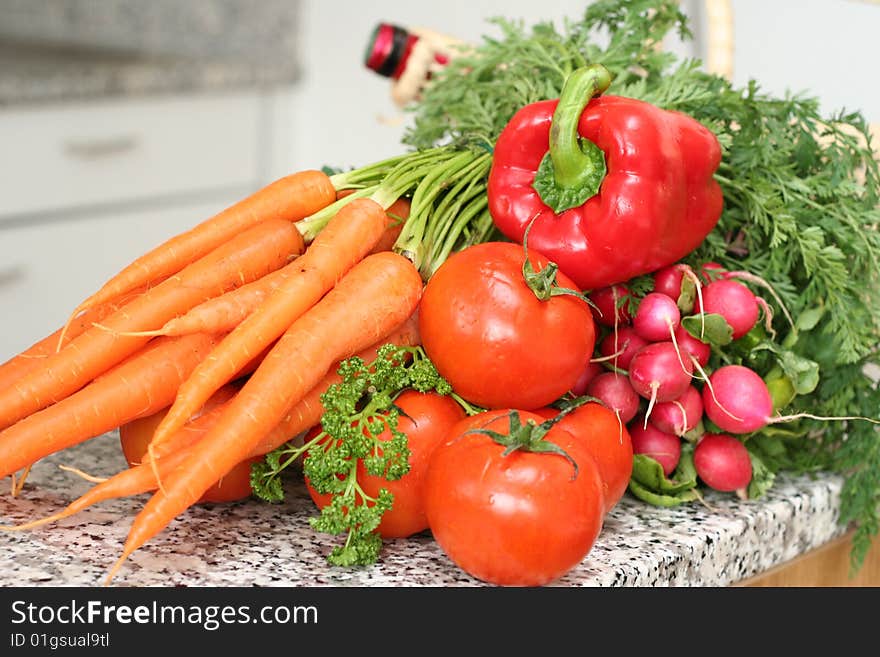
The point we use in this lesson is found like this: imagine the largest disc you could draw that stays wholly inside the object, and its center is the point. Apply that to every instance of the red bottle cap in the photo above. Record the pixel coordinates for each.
(388, 49)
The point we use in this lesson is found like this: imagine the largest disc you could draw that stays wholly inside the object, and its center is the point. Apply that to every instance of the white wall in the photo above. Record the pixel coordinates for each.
(830, 48)
(341, 114)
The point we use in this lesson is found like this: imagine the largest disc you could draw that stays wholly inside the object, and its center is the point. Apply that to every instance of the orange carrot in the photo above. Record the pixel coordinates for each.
(131, 481)
(378, 294)
(303, 416)
(141, 385)
(397, 212)
(248, 256)
(346, 239)
(222, 314)
(306, 413)
(35, 355)
(290, 198)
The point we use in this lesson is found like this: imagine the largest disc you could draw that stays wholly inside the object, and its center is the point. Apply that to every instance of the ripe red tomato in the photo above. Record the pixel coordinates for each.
(427, 420)
(522, 519)
(135, 436)
(496, 343)
(608, 440)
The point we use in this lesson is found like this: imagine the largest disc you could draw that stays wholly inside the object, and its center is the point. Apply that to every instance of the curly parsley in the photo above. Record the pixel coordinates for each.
(357, 411)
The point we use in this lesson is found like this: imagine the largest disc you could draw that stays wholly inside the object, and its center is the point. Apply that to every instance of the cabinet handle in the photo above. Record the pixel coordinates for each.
(100, 147)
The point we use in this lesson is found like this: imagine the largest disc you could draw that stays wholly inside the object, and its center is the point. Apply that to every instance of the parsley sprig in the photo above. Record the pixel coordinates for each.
(357, 411)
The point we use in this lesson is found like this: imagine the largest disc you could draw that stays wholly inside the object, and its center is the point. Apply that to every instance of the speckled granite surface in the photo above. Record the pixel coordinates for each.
(67, 50)
(255, 544)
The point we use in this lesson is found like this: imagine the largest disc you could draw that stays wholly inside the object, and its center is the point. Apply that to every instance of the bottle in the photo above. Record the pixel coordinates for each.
(409, 57)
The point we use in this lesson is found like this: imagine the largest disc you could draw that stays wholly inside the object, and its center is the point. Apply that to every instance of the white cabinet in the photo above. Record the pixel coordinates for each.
(86, 188)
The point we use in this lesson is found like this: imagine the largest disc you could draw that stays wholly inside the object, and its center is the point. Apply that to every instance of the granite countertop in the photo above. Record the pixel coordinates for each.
(251, 543)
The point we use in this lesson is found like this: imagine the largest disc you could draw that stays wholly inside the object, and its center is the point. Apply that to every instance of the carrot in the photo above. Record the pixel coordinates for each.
(346, 239)
(398, 213)
(289, 198)
(303, 416)
(307, 412)
(131, 481)
(224, 313)
(32, 357)
(378, 294)
(252, 254)
(141, 385)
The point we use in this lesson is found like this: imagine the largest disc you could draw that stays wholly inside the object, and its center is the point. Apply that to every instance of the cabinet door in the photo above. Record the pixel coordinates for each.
(46, 269)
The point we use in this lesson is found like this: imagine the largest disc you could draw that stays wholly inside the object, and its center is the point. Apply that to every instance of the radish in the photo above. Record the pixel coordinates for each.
(591, 371)
(657, 317)
(659, 374)
(722, 462)
(734, 302)
(738, 401)
(615, 391)
(669, 281)
(679, 415)
(665, 448)
(691, 345)
(609, 310)
(711, 271)
(624, 344)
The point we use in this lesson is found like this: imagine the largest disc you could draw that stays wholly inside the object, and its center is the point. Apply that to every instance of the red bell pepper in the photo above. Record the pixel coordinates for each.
(613, 187)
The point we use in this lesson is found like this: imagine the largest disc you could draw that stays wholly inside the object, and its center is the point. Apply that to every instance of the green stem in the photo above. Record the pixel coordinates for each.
(437, 256)
(471, 185)
(310, 226)
(574, 167)
(367, 175)
(411, 242)
(409, 174)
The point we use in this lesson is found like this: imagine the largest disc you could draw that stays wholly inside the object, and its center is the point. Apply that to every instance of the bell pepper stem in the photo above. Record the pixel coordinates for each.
(574, 167)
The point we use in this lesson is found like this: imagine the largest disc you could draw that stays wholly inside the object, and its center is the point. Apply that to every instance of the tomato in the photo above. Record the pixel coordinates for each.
(426, 420)
(522, 519)
(496, 343)
(608, 440)
(135, 436)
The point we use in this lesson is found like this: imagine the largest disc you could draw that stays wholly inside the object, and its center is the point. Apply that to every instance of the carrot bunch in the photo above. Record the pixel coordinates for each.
(270, 293)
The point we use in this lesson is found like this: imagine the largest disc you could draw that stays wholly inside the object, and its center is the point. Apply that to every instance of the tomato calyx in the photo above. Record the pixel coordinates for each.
(543, 282)
(528, 436)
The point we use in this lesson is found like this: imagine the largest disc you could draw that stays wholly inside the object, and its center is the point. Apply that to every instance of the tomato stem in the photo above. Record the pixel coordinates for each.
(529, 436)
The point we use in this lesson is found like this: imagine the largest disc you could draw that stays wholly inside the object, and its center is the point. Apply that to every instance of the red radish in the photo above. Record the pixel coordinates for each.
(610, 303)
(711, 271)
(737, 400)
(625, 343)
(657, 317)
(591, 371)
(688, 344)
(669, 281)
(658, 374)
(722, 462)
(665, 448)
(615, 391)
(733, 301)
(679, 415)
